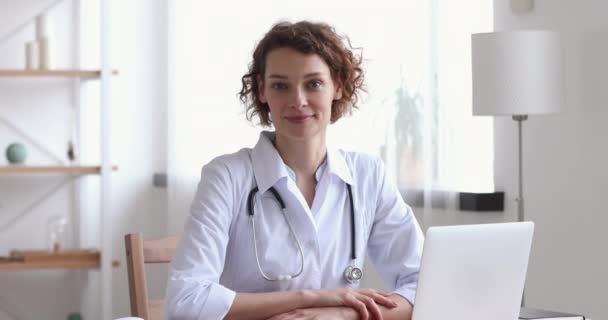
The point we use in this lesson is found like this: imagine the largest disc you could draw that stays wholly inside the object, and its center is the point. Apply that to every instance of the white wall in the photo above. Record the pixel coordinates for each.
(565, 156)
(42, 107)
(139, 125)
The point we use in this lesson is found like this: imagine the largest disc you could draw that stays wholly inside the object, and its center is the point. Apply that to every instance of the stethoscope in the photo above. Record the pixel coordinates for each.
(352, 274)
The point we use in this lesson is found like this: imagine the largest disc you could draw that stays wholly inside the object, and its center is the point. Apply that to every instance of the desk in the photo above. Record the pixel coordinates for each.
(534, 313)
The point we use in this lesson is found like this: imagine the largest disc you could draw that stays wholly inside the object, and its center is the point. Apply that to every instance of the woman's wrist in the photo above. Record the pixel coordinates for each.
(349, 313)
(308, 298)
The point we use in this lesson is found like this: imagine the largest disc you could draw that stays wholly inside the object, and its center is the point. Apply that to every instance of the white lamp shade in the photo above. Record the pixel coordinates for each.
(516, 73)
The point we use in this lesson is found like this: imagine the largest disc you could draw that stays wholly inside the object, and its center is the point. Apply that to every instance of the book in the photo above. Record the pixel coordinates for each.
(538, 314)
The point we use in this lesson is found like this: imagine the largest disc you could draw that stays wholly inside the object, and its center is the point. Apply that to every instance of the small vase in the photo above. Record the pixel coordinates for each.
(57, 233)
(16, 153)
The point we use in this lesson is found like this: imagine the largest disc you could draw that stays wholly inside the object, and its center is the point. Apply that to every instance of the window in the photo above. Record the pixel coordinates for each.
(417, 112)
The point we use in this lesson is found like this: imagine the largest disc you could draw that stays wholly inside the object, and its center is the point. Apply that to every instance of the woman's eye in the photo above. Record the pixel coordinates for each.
(279, 86)
(315, 84)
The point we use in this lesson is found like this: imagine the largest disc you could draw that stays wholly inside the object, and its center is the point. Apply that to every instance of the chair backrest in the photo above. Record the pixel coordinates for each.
(140, 252)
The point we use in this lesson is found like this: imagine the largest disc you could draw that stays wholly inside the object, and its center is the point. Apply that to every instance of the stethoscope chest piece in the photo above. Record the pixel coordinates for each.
(352, 274)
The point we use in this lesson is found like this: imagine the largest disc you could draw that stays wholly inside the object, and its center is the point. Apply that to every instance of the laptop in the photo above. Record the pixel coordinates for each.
(473, 272)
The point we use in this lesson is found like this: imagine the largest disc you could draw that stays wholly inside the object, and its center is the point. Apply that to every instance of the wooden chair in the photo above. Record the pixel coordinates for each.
(139, 252)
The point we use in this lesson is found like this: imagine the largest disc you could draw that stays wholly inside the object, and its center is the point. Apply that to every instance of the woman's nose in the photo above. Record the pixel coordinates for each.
(298, 99)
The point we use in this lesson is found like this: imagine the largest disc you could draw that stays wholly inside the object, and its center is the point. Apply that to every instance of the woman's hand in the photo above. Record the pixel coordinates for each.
(329, 313)
(365, 301)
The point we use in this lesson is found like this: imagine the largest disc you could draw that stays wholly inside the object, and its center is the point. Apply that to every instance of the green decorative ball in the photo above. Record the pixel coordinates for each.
(16, 153)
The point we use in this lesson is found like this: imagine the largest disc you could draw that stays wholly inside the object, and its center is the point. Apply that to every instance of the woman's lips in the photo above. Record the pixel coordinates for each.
(299, 119)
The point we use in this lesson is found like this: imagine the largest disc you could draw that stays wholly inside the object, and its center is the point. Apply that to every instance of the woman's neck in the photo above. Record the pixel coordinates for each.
(303, 157)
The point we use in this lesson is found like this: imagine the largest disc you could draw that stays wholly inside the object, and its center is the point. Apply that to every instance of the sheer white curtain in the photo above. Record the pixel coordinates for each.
(403, 117)
(466, 143)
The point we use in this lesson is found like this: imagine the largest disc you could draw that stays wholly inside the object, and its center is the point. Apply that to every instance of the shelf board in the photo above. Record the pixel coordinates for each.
(52, 169)
(40, 259)
(53, 73)
(57, 264)
(44, 259)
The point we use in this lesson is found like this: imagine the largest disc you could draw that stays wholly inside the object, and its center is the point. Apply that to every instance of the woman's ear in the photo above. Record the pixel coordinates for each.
(338, 89)
(261, 93)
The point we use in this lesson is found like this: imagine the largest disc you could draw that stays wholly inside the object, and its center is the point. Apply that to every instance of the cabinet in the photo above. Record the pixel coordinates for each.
(96, 258)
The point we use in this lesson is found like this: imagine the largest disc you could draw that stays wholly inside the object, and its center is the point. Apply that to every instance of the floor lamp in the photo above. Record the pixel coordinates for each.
(517, 73)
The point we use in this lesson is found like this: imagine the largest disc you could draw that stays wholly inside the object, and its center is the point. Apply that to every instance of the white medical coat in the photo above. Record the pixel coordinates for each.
(215, 256)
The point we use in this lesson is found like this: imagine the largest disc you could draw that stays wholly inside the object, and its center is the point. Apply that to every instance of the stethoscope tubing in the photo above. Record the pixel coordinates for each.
(255, 246)
(353, 242)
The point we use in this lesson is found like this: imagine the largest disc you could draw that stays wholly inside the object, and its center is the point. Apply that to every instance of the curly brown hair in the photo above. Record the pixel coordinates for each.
(306, 37)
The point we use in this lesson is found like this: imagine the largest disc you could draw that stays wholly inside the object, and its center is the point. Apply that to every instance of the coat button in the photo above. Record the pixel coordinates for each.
(311, 244)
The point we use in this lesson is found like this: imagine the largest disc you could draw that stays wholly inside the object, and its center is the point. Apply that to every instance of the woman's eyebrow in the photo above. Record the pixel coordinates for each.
(280, 76)
(313, 74)
(277, 76)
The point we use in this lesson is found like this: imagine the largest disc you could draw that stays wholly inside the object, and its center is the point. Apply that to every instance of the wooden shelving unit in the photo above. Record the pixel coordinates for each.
(24, 169)
(53, 73)
(99, 258)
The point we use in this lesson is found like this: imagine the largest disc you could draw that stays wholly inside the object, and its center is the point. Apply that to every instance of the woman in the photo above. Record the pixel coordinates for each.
(241, 256)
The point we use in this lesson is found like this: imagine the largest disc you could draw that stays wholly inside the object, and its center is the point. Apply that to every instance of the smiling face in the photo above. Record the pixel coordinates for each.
(299, 90)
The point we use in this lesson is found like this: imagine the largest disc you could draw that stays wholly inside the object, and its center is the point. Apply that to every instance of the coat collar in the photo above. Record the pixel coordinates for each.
(268, 166)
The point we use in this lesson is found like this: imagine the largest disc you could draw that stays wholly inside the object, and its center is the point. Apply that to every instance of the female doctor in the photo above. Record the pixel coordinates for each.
(281, 231)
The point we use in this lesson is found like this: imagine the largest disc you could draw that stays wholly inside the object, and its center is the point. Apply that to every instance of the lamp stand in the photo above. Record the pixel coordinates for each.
(520, 189)
(520, 181)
